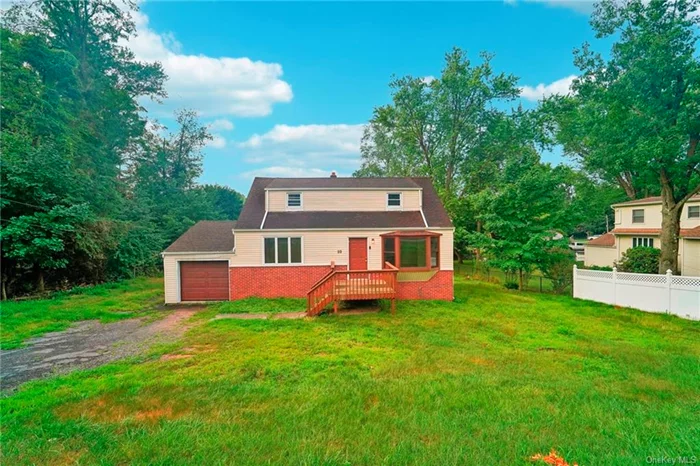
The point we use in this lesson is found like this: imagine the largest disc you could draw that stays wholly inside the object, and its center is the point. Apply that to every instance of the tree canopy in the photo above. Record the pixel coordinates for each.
(88, 192)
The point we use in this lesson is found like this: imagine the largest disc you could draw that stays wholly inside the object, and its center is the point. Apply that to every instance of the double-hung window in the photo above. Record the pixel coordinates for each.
(282, 250)
(694, 211)
(293, 200)
(637, 215)
(643, 242)
(393, 200)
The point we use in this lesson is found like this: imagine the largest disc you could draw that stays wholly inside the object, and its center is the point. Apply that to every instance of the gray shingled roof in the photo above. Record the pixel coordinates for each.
(342, 183)
(254, 208)
(298, 220)
(206, 236)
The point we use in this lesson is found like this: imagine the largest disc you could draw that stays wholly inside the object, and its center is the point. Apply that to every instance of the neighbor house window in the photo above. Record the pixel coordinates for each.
(282, 250)
(694, 211)
(643, 242)
(637, 215)
(294, 200)
(412, 250)
(393, 200)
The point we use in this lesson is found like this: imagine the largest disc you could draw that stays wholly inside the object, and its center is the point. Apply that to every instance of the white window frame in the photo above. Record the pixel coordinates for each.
(301, 201)
(642, 241)
(289, 251)
(643, 216)
(696, 209)
(394, 207)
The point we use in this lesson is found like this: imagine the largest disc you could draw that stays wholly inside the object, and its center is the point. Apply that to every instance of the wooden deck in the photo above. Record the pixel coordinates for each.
(348, 285)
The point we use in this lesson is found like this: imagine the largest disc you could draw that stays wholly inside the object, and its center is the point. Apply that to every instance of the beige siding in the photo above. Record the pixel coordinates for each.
(652, 216)
(171, 271)
(343, 200)
(690, 259)
(322, 247)
(601, 257)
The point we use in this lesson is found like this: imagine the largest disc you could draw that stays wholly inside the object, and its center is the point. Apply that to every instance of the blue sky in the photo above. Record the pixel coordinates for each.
(287, 87)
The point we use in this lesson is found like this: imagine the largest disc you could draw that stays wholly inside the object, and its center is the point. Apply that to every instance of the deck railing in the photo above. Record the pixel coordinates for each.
(347, 285)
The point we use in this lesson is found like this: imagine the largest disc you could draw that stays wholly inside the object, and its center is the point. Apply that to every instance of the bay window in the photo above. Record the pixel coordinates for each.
(415, 250)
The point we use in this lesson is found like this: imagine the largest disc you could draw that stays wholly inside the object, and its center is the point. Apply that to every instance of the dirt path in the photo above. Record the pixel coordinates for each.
(88, 344)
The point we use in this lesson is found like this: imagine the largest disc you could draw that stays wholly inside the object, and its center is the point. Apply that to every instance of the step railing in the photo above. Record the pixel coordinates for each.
(345, 285)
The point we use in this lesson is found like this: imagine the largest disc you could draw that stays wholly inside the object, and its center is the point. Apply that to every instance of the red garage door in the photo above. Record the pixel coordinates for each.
(204, 281)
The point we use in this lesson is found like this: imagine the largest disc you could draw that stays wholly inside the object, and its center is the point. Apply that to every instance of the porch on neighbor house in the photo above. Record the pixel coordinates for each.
(352, 285)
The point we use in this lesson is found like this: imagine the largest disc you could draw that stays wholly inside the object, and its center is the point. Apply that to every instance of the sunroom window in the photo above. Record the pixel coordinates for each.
(415, 250)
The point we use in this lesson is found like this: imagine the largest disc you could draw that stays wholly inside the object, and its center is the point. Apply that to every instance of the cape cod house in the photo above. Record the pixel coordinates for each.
(326, 239)
(638, 223)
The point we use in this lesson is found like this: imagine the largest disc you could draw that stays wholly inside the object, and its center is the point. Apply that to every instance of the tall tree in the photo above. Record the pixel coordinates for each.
(522, 214)
(635, 118)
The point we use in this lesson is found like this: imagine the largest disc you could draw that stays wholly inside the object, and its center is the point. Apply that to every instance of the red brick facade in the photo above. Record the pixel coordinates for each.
(440, 286)
(295, 282)
(275, 282)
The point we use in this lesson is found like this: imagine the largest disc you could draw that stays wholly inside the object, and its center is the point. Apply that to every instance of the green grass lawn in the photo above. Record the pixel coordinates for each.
(260, 306)
(112, 301)
(490, 379)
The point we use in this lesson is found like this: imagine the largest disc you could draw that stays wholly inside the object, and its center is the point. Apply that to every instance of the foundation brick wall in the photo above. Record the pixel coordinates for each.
(440, 286)
(295, 282)
(275, 282)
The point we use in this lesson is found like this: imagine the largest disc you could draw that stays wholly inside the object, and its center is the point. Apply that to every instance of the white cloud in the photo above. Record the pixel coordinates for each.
(213, 86)
(221, 124)
(304, 150)
(581, 6)
(560, 87)
(217, 141)
(428, 79)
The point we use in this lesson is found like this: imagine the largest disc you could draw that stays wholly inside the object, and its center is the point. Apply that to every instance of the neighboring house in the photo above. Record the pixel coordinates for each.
(638, 223)
(294, 233)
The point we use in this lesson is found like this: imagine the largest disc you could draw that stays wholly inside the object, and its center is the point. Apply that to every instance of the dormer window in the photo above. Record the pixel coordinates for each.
(638, 216)
(694, 211)
(293, 200)
(393, 200)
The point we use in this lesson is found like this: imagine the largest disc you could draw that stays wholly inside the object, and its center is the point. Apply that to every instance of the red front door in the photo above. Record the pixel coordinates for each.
(358, 253)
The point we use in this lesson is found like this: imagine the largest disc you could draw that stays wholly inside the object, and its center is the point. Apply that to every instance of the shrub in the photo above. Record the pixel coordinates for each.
(558, 267)
(640, 260)
(511, 285)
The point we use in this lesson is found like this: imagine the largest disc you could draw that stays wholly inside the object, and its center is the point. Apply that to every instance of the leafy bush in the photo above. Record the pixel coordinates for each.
(558, 267)
(640, 260)
(602, 268)
(511, 285)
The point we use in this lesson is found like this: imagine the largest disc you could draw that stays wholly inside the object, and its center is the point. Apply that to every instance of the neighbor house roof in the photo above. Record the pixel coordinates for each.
(648, 201)
(604, 241)
(206, 236)
(253, 213)
(685, 232)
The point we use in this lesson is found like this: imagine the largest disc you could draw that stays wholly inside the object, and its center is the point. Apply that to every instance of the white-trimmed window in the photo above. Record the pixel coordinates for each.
(282, 250)
(642, 242)
(393, 200)
(694, 211)
(293, 200)
(637, 215)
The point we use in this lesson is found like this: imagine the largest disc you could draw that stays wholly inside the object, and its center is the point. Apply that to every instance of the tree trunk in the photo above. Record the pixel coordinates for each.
(520, 279)
(4, 290)
(40, 281)
(670, 231)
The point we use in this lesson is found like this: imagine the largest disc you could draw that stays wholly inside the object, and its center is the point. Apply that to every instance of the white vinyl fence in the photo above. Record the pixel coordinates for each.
(671, 294)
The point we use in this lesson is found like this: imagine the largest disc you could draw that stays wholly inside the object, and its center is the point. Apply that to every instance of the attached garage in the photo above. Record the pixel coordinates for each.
(204, 281)
(196, 265)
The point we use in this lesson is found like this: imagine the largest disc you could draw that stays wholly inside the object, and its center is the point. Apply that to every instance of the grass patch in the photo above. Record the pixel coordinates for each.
(108, 302)
(260, 306)
(492, 378)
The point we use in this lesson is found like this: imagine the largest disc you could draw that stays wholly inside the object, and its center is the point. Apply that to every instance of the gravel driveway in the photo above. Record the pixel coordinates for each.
(88, 344)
